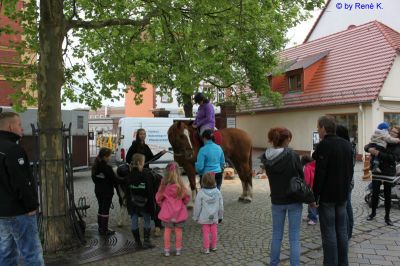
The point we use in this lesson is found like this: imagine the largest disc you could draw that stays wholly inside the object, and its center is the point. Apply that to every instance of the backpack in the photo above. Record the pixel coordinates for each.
(138, 199)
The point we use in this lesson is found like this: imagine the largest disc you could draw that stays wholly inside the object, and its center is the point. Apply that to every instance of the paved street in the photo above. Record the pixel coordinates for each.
(245, 234)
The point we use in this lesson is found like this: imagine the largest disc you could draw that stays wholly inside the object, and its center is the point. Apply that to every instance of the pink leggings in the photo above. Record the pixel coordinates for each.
(178, 238)
(207, 230)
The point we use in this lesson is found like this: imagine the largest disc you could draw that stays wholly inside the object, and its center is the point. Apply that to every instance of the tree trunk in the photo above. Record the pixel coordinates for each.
(187, 105)
(56, 226)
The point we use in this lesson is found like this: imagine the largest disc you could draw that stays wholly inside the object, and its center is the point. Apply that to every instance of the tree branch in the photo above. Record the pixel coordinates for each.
(219, 86)
(96, 24)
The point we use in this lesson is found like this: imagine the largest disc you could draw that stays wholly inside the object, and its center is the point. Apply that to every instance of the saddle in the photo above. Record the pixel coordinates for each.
(199, 142)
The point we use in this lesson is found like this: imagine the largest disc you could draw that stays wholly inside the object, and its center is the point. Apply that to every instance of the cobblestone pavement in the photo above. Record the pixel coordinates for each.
(245, 234)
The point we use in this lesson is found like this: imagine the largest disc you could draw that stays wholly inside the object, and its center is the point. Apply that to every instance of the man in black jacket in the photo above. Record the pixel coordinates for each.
(333, 174)
(18, 198)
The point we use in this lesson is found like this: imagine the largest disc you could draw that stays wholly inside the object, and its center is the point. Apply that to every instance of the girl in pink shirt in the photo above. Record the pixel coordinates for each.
(172, 197)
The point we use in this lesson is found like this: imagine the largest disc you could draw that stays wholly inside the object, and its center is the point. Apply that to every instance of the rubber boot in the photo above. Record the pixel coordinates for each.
(147, 243)
(100, 223)
(104, 229)
(136, 236)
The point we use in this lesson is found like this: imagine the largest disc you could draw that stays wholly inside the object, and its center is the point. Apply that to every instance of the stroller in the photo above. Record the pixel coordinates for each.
(395, 195)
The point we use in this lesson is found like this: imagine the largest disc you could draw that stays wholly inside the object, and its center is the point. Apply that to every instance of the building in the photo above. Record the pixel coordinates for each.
(9, 57)
(338, 15)
(352, 75)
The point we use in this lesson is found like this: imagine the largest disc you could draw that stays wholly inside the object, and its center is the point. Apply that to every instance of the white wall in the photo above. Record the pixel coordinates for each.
(334, 19)
(301, 122)
(391, 86)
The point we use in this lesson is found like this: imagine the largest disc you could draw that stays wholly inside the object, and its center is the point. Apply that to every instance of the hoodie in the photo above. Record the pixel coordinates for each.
(209, 206)
(173, 209)
(281, 164)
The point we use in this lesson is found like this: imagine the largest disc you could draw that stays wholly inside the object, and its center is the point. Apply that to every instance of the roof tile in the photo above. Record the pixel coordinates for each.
(353, 71)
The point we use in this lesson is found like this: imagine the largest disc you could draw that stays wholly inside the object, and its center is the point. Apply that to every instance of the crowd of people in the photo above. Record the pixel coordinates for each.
(164, 198)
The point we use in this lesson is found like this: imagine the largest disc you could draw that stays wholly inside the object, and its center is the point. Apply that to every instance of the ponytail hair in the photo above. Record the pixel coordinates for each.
(208, 134)
(103, 152)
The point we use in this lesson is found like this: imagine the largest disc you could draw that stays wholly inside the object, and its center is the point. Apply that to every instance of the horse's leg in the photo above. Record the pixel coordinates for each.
(192, 182)
(245, 176)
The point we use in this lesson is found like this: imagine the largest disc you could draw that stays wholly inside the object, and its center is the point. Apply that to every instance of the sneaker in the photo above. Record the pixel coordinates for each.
(178, 252)
(213, 249)
(311, 222)
(306, 219)
(166, 253)
(206, 251)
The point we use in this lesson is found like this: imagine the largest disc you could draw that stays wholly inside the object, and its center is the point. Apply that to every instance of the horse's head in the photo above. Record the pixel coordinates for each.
(179, 137)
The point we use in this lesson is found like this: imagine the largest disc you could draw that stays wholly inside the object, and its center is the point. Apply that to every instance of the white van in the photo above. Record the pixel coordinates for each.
(157, 136)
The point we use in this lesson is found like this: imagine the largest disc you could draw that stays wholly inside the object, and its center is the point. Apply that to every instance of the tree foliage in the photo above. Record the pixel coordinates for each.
(171, 44)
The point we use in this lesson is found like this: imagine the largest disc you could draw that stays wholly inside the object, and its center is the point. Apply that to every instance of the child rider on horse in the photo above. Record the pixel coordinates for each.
(205, 118)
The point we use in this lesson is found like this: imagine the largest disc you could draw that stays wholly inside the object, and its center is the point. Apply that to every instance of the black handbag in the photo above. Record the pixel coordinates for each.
(298, 189)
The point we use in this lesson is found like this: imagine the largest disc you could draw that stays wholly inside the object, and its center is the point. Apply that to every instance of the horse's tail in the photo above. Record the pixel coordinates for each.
(251, 161)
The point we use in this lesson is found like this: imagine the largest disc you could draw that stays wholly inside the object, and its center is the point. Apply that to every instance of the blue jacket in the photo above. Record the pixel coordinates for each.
(210, 158)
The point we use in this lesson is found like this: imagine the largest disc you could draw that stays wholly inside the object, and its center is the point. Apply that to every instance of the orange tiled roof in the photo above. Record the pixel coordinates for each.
(355, 66)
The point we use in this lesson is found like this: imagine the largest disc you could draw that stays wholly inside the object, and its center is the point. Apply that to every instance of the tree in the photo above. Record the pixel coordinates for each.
(171, 44)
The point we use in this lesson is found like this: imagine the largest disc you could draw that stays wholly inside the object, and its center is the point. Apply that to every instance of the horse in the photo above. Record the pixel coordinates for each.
(237, 147)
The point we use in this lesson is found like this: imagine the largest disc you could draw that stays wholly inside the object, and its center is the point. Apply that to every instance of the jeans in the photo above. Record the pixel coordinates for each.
(350, 217)
(333, 224)
(19, 236)
(218, 180)
(135, 220)
(278, 223)
(312, 214)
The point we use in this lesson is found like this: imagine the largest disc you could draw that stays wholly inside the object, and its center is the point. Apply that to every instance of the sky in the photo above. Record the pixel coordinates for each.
(295, 35)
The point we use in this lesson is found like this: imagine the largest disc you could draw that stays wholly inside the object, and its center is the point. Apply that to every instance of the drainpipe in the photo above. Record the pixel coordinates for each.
(362, 144)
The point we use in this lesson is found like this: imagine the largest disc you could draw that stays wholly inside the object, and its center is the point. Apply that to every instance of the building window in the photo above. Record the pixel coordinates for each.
(216, 95)
(166, 97)
(80, 122)
(392, 118)
(350, 121)
(295, 82)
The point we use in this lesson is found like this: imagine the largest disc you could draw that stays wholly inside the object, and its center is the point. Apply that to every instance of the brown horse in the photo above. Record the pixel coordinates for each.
(237, 147)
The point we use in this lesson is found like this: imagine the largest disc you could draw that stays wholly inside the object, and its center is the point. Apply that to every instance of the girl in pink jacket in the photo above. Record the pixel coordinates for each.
(172, 196)
(309, 172)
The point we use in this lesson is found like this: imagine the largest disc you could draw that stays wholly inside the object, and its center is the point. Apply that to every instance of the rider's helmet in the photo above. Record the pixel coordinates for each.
(198, 97)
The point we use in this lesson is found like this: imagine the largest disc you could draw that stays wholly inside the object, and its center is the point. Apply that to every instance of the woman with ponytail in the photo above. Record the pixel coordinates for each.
(104, 182)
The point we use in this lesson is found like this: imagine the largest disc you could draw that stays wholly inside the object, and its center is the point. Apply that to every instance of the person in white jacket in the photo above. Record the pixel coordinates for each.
(208, 211)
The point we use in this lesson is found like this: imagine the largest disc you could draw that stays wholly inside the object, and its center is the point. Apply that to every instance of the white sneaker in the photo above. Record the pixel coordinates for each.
(311, 222)
(166, 253)
(206, 251)
(178, 252)
(213, 249)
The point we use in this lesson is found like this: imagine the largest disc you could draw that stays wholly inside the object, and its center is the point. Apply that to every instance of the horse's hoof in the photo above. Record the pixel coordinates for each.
(240, 199)
(247, 200)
